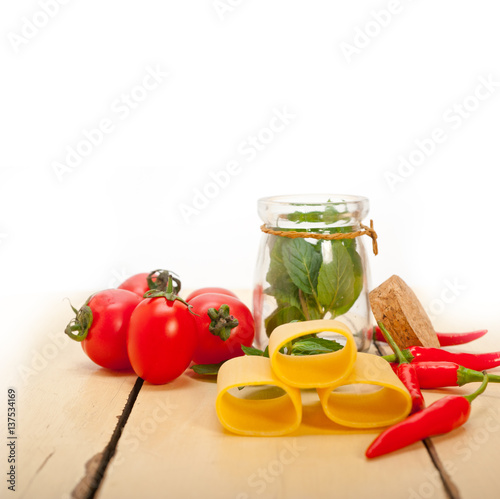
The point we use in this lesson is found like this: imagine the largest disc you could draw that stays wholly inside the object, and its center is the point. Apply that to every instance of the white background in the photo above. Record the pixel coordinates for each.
(119, 211)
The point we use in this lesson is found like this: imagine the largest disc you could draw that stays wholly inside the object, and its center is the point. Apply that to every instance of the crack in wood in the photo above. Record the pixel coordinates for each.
(44, 463)
(449, 486)
(95, 468)
(84, 486)
(379, 350)
(39, 469)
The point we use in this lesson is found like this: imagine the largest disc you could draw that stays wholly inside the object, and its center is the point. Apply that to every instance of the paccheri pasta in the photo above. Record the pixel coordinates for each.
(356, 390)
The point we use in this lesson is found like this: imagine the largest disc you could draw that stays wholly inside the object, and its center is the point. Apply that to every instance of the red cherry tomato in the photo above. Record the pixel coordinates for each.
(101, 326)
(161, 339)
(212, 348)
(203, 291)
(137, 284)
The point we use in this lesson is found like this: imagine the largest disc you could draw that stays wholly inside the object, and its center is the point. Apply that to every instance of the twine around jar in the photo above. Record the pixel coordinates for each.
(292, 234)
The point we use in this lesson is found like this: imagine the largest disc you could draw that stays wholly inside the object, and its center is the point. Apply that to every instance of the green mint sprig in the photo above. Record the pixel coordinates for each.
(312, 280)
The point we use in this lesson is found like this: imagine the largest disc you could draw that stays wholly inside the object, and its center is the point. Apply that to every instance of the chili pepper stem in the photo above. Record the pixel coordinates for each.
(493, 378)
(394, 358)
(480, 390)
(399, 354)
(465, 375)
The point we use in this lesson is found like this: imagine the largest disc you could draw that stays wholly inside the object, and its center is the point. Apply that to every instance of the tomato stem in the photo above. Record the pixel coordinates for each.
(81, 322)
(169, 294)
(161, 281)
(222, 322)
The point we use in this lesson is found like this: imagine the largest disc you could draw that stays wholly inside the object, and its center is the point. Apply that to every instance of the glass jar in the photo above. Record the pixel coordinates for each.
(323, 274)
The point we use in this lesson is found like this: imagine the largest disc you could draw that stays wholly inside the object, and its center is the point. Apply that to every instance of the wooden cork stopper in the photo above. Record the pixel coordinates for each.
(396, 306)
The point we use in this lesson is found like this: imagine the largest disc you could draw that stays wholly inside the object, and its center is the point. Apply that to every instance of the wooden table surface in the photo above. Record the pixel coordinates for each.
(84, 430)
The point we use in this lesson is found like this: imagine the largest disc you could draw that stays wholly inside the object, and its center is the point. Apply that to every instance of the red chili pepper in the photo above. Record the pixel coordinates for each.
(406, 373)
(442, 416)
(445, 339)
(442, 374)
(477, 361)
(450, 339)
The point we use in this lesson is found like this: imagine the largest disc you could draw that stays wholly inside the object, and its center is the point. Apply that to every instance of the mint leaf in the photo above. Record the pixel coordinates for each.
(310, 281)
(330, 215)
(207, 369)
(315, 346)
(302, 264)
(255, 351)
(281, 286)
(336, 280)
(358, 279)
(282, 315)
(285, 292)
(310, 308)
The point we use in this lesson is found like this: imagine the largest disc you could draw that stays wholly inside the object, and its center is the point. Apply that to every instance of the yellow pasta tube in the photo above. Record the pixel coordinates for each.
(311, 371)
(371, 397)
(246, 414)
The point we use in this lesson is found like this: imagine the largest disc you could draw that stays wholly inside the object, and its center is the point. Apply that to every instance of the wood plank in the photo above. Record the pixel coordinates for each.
(470, 453)
(67, 406)
(173, 442)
